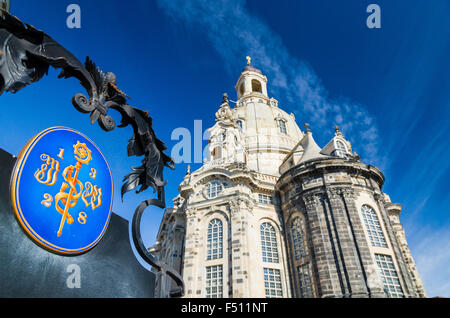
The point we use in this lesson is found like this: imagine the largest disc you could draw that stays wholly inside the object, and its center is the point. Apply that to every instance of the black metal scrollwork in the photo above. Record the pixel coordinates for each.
(25, 57)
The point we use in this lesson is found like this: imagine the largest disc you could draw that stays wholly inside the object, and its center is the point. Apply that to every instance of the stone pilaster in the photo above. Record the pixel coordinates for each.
(324, 267)
(400, 233)
(368, 270)
(291, 269)
(239, 209)
(178, 249)
(190, 267)
(347, 251)
(404, 274)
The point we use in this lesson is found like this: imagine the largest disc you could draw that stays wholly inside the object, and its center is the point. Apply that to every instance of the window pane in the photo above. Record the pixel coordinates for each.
(272, 290)
(240, 125)
(213, 189)
(265, 199)
(298, 238)
(370, 218)
(304, 280)
(282, 125)
(215, 286)
(269, 243)
(390, 279)
(215, 239)
(341, 150)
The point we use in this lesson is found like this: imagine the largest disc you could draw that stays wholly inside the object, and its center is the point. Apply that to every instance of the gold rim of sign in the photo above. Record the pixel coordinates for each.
(15, 182)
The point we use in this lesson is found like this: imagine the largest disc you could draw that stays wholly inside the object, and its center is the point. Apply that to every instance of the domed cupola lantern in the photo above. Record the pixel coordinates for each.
(251, 82)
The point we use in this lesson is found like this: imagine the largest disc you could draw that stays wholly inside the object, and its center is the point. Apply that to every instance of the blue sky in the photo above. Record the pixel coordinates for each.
(388, 88)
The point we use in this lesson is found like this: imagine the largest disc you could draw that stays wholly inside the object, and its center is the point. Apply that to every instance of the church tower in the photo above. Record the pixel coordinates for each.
(271, 214)
(233, 244)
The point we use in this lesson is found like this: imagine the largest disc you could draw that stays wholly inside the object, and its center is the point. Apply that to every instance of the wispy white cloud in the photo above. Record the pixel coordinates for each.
(421, 176)
(430, 246)
(431, 250)
(234, 33)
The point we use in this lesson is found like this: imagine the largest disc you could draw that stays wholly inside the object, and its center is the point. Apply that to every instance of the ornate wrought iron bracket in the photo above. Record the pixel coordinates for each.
(25, 57)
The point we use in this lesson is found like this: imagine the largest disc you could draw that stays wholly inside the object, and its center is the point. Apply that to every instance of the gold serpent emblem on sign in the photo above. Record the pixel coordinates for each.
(70, 174)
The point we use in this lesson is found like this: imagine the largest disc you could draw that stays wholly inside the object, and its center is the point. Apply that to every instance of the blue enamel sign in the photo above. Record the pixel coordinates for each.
(62, 190)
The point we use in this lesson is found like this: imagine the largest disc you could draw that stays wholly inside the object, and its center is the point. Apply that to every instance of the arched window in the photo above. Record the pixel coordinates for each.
(341, 150)
(282, 125)
(298, 238)
(241, 89)
(213, 189)
(373, 227)
(217, 153)
(215, 239)
(240, 124)
(256, 86)
(269, 243)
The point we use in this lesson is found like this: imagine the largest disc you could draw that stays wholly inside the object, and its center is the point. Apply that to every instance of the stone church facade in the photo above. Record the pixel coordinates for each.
(271, 214)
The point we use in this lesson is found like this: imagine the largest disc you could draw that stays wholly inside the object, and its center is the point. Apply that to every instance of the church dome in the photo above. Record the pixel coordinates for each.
(269, 132)
(251, 69)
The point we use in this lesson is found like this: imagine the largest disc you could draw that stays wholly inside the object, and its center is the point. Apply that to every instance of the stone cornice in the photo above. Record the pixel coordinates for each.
(328, 166)
(232, 173)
